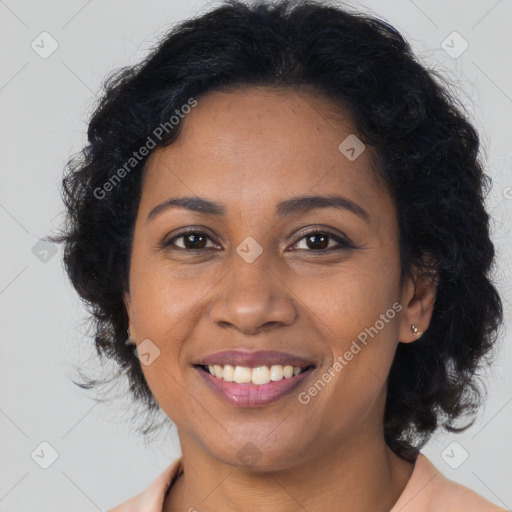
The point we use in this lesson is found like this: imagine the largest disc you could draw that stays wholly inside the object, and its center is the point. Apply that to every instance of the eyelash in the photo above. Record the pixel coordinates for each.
(342, 244)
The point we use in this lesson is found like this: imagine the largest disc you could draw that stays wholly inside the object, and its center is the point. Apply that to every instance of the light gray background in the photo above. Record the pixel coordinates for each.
(44, 104)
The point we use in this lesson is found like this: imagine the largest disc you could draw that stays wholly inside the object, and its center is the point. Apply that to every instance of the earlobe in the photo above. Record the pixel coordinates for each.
(415, 330)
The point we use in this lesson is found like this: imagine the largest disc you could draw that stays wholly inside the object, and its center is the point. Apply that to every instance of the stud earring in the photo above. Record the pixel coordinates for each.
(415, 330)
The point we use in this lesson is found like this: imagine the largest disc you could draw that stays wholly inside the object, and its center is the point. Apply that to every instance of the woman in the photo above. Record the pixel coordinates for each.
(284, 209)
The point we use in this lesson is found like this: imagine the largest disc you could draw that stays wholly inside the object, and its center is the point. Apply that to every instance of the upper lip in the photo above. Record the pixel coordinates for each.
(253, 359)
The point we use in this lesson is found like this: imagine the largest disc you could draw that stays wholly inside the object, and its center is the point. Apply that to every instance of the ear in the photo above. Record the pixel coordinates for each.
(128, 303)
(418, 298)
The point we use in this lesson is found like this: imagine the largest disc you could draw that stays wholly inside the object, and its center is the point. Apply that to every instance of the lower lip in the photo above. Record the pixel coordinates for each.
(253, 395)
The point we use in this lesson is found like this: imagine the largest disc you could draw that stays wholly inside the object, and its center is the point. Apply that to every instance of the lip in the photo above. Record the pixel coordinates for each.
(253, 359)
(252, 395)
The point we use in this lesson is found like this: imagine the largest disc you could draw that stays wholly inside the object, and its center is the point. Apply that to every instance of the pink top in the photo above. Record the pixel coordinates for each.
(426, 491)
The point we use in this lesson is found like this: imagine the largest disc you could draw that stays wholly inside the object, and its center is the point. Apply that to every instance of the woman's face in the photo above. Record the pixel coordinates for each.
(252, 280)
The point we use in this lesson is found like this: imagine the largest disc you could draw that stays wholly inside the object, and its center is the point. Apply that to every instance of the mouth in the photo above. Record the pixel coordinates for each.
(252, 379)
(259, 375)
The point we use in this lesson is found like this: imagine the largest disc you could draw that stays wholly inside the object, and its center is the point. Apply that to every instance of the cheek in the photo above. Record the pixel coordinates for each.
(355, 314)
(344, 305)
(349, 391)
(164, 301)
(165, 310)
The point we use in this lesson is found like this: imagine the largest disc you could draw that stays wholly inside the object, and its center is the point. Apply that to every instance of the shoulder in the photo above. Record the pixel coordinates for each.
(449, 495)
(428, 490)
(152, 498)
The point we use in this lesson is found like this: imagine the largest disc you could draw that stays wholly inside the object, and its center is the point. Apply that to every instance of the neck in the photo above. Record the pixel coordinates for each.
(360, 475)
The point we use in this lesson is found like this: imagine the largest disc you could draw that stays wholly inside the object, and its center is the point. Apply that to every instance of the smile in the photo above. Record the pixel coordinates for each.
(260, 375)
(257, 387)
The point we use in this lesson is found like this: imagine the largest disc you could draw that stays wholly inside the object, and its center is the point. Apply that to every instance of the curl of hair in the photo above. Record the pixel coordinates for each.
(427, 154)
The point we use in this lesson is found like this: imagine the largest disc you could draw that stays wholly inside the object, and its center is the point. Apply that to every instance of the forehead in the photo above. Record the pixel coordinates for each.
(256, 146)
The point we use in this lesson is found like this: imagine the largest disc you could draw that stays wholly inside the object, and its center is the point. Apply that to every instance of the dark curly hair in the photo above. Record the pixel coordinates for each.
(427, 153)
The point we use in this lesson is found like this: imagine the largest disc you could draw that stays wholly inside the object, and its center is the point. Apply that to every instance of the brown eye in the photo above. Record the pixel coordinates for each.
(192, 240)
(318, 241)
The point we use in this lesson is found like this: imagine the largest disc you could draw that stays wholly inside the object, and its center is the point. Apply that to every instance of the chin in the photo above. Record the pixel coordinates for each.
(260, 453)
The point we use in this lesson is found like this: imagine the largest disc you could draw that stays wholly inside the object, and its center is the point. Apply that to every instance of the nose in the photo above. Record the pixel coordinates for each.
(251, 298)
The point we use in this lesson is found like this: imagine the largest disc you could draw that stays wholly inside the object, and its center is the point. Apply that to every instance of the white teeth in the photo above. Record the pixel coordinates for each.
(229, 373)
(259, 375)
(288, 372)
(242, 374)
(276, 372)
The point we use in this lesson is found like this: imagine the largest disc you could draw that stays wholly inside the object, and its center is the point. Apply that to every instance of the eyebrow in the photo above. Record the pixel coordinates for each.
(294, 205)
